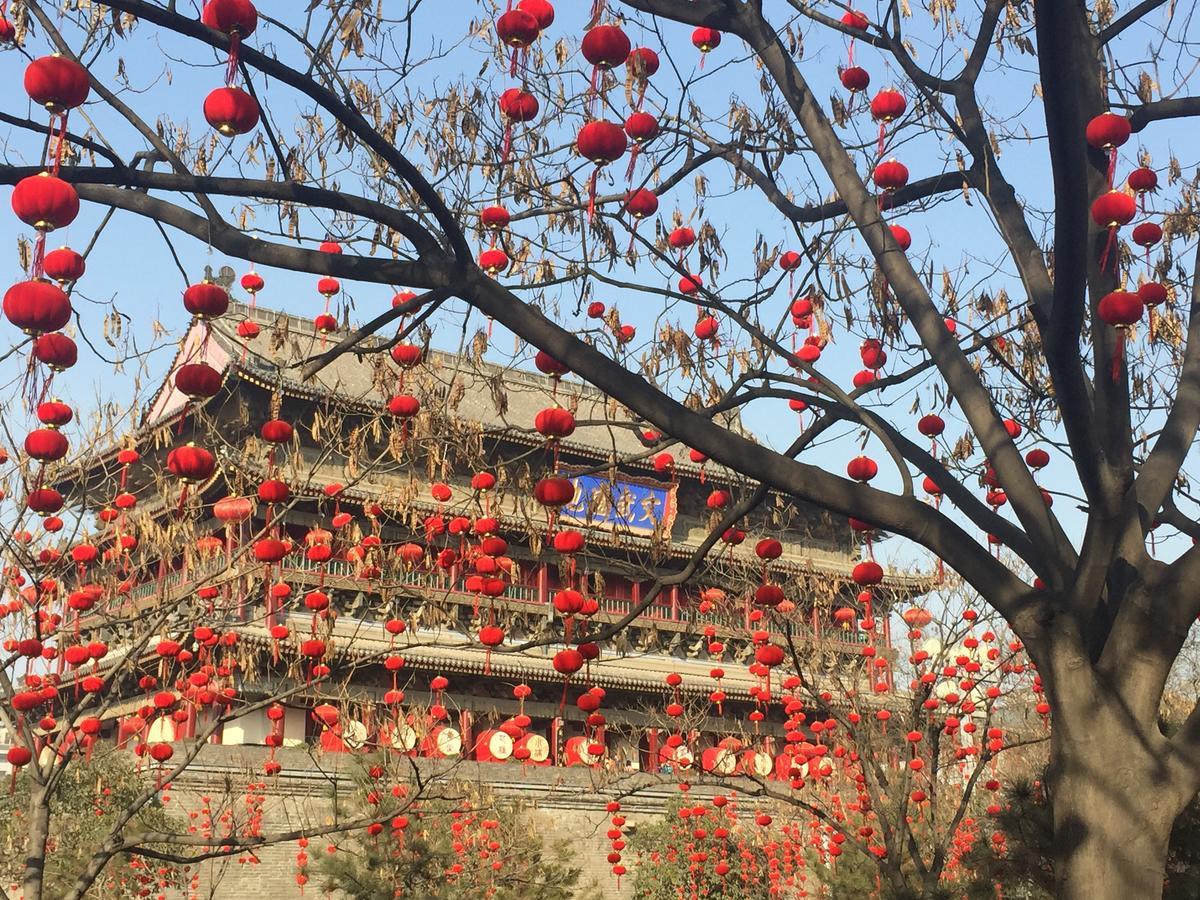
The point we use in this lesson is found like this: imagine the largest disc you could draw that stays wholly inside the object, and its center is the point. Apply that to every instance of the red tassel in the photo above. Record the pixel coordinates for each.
(633, 155)
(1118, 355)
(1112, 166)
(1109, 244)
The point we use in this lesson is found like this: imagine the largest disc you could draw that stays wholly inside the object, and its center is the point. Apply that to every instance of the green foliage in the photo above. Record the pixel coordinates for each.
(443, 853)
(84, 804)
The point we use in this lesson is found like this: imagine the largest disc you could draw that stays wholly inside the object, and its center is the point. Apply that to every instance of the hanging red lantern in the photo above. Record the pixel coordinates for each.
(541, 10)
(37, 306)
(1113, 209)
(1121, 309)
(494, 261)
(46, 445)
(641, 127)
(407, 355)
(206, 300)
(327, 286)
(44, 501)
(1152, 294)
(231, 111)
(63, 265)
(862, 468)
(272, 490)
(554, 492)
(867, 573)
(606, 47)
(601, 141)
(198, 380)
(901, 236)
(55, 350)
(706, 39)
(1037, 458)
(191, 464)
(854, 79)
(231, 510)
(1143, 180)
(517, 105)
(494, 218)
(54, 413)
(641, 203)
(1108, 131)
(554, 422)
(891, 175)
(707, 328)
(325, 324)
(568, 662)
(548, 365)
(45, 202)
(768, 549)
(57, 83)
(888, 105)
(1147, 234)
(404, 406)
(230, 17)
(276, 431)
(517, 29)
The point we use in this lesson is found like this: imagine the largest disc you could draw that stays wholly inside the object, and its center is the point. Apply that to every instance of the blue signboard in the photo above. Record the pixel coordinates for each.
(638, 506)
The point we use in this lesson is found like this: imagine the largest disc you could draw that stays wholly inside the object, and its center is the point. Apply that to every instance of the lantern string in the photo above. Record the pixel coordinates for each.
(1112, 166)
(1109, 244)
(235, 40)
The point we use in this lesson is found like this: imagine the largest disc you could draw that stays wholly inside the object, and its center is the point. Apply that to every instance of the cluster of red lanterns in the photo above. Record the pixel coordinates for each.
(40, 306)
(1122, 309)
(231, 110)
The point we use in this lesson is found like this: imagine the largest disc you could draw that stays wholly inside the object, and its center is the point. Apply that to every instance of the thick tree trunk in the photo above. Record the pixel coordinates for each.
(1114, 806)
(35, 848)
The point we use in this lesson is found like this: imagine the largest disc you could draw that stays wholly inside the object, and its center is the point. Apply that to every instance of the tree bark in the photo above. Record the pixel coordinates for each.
(35, 849)
(1114, 806)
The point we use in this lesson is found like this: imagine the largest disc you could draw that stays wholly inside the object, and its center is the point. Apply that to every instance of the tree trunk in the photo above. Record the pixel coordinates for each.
(35, 847)
(1113, 813)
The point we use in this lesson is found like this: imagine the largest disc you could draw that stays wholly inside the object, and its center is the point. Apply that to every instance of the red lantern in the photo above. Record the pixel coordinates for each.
(325, 324)
(1037, 458)
(230, 17)
(404, 406)
(1108, 131)
(554, 422)
(231, 111)
(891, 175)
(45, 202)
(494, 261)
(276, 431)
(568, 662)
(601, 141)
(55, 350)
(854, 78)
(706, 39)
(64, 265)
(54, 413)
(46, 445)
(1152, 294)
(862, 468)
(931, 425)
(641, 127)
(517, 105)
(1113, 209)
(517, 28)
(643, 62)
(681, 238)
(56, 83)
(901, 236)
(707, 328)
(1121, 309)
(554, 492)
(1143, 179)
(1147, 234)
(867, 573)
(206, 300)
(191, 464)
(44, 501)
(494, 218)
(198, 380)
(541, 10)
(888, 105)
(641, 203)
(605, 46)
(37, 306)
(231, 510)
(768, 548)
(273, 490)
(548, 365)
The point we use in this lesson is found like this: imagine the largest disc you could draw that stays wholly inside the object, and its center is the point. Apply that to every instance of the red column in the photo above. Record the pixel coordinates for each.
(652, 749)
(674, 603)
(543, 585)
(555, 733)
